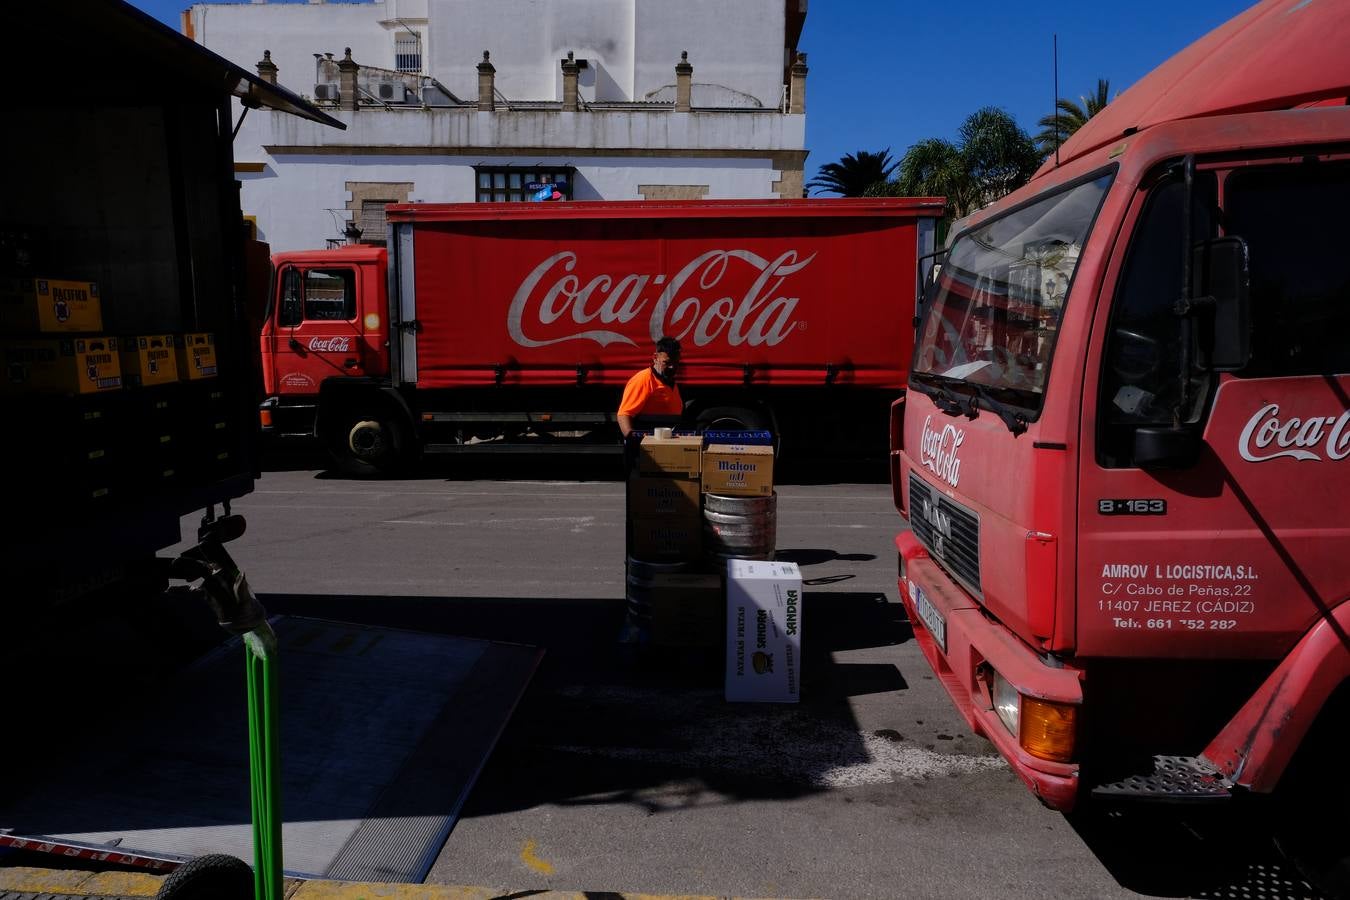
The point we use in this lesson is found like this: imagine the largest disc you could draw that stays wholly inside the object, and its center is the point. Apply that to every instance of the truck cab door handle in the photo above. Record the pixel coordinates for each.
(350, 363)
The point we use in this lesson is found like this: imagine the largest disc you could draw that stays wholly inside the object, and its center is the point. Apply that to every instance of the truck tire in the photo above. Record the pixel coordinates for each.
(213, 877)
(733, 417)
(368, 442)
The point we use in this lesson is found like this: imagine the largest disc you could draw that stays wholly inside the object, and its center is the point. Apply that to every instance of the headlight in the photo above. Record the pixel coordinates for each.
(1043, 728)
(1007, 703)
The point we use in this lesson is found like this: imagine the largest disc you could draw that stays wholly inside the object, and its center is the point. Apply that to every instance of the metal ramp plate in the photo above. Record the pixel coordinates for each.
(383, 733)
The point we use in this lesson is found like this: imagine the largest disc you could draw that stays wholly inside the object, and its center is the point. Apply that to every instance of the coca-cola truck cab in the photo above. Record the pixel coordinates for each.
(1123, 451)
(513, 327)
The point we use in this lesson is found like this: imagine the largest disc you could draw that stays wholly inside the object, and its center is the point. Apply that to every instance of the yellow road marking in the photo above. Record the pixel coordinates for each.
(531, 859)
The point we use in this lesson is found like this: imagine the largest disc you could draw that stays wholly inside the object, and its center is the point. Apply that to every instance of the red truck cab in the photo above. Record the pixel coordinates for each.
(327, 318)
(1123, 450)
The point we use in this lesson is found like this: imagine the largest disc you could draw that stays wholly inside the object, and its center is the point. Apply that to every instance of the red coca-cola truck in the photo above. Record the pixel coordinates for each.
(513, 327)
(1123, 451)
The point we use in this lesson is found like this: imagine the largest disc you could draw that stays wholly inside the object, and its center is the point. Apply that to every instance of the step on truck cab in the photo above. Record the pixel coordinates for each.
(1123, 453)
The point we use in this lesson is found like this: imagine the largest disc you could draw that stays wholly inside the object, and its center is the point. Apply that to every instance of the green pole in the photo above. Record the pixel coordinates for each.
(260, 648)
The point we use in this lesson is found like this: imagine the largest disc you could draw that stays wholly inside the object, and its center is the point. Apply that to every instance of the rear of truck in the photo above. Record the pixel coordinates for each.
(130, 376)
(1122, 458)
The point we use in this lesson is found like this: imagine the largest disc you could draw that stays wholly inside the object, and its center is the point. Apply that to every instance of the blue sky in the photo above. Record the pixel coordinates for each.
(888, 73)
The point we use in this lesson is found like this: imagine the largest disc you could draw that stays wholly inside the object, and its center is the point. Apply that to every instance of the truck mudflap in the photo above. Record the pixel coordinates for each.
(1255, 747)
(964, 646)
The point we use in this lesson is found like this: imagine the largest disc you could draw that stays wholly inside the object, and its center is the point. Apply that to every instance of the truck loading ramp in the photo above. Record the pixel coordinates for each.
(383, 733)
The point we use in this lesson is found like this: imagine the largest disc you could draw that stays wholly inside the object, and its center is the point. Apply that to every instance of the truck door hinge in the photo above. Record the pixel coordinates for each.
(412, 326)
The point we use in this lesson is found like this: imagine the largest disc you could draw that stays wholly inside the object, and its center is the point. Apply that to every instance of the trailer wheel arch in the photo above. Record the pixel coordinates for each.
(366, 427)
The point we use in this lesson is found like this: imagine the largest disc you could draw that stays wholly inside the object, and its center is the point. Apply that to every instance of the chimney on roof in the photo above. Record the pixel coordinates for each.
(347, 69)
(797, 86)
(267, 70)
(570, 71)
(684, 82)
(487, 85)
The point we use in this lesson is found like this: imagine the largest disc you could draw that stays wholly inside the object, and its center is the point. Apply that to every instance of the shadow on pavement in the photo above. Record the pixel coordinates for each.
(607, 723)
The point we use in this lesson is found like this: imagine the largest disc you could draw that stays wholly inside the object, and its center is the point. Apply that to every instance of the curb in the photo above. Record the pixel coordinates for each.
(58, 884)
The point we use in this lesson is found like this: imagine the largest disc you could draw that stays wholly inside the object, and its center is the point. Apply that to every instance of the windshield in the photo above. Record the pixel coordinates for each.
(995, 307)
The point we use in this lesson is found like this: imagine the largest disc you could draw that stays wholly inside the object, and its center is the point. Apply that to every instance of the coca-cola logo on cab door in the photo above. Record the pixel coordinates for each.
(937, 451)
(330, 345)
(733, 295)
(1266, 436)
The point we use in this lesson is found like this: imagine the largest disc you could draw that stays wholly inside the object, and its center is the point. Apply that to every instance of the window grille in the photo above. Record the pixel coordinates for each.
(509, 184)
(372, 222)
(408, 52)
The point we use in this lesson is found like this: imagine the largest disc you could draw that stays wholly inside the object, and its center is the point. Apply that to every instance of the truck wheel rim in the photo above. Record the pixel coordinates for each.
(366, 439)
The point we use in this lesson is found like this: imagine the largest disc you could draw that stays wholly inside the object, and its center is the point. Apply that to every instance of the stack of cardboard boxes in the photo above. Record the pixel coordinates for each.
(676, 598)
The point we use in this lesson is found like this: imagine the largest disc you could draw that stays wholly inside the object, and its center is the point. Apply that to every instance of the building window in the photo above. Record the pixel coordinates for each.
(408, 52)
(372, 222)
(511, 184)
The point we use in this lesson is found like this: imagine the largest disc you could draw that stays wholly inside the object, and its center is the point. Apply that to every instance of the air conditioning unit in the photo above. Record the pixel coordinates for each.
(327, 92)
(392, 91)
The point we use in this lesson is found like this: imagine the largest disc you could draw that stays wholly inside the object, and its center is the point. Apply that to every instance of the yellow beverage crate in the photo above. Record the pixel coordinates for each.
(60, 366)
(148, 360)
(49, 305)
(196, 355)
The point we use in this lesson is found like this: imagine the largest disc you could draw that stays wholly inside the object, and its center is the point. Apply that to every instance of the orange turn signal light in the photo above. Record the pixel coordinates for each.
(1048, 729)
(265, 416)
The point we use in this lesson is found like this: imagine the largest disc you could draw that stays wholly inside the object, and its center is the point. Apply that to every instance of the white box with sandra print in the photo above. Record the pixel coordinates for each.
(764, 631)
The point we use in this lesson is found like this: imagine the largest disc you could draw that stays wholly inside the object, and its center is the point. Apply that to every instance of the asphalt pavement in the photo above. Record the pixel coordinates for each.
(625, 774)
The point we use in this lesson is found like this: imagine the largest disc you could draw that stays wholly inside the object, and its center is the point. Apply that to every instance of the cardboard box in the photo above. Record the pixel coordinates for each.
(149, 360)
(667, 538)
(685, 610)
(196, 355)
(60, 366)
(654, 498)
(764, 625)
(677, 457)
(49, 305)
(738, 470)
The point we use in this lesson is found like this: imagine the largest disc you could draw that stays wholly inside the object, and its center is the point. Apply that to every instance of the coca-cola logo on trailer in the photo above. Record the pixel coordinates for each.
(1266, 436)
(701, 303)
(937, 451)
(330, 345)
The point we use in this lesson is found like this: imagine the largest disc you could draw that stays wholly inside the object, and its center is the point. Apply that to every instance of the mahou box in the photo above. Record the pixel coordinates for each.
(764, 631)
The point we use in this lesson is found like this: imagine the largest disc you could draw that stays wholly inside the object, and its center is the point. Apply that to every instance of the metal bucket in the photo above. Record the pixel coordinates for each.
(739, 527)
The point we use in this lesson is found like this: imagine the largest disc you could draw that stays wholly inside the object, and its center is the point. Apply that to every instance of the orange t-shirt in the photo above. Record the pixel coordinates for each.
(646, 395)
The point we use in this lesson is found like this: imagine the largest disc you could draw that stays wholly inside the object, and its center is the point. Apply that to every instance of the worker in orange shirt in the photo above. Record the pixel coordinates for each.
(651, 397)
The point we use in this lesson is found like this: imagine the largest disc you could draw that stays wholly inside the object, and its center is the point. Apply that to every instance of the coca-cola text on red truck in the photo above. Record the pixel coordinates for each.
(1123, 454)
(492, 327)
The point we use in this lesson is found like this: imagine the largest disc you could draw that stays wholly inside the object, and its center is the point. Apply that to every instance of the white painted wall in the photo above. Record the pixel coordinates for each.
(737, 44)
(294, 32)
(301, 200)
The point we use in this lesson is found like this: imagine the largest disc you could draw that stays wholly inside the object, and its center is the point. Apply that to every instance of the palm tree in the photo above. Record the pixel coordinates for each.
(993, 157)
(1069, 117)
(854, 173)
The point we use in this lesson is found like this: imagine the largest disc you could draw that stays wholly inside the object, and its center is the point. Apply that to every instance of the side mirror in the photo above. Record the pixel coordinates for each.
(1166, 448)
(1225, 278)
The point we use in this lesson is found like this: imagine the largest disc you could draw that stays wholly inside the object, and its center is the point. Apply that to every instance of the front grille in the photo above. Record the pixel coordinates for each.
(949, 531)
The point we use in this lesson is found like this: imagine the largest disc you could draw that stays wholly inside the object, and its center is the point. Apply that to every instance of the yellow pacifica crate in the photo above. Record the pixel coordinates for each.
(61, 366)
(49, 305)
(148, 360)
(196, 355)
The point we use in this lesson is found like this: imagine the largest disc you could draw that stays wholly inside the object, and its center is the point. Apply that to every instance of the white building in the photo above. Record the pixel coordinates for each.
(591, 95)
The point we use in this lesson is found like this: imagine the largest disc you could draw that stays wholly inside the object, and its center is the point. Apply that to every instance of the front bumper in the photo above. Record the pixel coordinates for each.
(975, 642)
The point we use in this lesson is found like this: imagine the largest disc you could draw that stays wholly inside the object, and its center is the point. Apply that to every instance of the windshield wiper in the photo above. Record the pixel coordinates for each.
(1016, 422)
(943, 399)
(952, 404)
